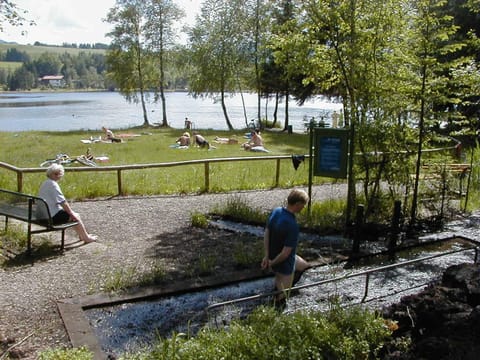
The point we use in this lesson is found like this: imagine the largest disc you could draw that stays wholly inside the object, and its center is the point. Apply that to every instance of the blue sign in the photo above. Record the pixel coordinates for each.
(331, 152)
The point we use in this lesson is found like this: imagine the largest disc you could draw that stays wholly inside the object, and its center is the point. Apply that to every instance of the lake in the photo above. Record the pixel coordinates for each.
(66, 111)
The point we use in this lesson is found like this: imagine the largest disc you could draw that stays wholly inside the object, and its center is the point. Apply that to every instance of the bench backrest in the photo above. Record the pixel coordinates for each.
(24, 207)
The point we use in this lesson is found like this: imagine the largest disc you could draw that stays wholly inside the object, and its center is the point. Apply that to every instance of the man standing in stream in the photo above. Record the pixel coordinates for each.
(280, 243)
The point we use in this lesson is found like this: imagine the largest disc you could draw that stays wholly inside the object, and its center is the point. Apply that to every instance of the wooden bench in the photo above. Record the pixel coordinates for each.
(32, 210)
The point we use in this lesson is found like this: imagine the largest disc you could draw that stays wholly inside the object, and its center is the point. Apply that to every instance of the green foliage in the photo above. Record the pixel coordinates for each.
(36, 51)
(119, 279)
(338, 334)
(206, 264)
(123, 278)
(245, 254)
(328, 215)
(66, 354)
(473, 195)
(236, 207)
(199, 220)
(10, 66)
(15, 237)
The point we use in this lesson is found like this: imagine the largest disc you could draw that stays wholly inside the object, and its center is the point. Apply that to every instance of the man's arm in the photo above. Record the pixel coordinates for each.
(286, 251)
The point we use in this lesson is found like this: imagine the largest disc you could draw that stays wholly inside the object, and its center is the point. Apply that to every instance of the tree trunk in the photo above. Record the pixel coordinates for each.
(275, 111)
(224, 108)
(162, 92)
(144, 108)
(413, 210)
(287, 95)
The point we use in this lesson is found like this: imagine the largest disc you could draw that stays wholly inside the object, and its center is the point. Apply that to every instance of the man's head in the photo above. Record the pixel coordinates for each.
(297, 199)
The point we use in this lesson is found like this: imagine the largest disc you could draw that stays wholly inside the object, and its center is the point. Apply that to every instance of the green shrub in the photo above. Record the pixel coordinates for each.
(206, 264)
(199, 220)
(328, 215)
(237, 208)
(66, 354)
(245, 254)
(347, 334)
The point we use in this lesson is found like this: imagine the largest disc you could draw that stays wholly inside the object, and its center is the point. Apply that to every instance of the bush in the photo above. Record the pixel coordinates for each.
(66, 354)
(338, 334)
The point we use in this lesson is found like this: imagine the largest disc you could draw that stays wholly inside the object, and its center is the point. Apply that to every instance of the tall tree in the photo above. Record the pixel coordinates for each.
(281, 63)
(129, 62)
(215, 43)
(353, 49)
(160, 38)
(432, 32)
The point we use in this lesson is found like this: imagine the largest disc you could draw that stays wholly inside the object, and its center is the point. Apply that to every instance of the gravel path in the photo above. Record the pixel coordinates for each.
(127, 229)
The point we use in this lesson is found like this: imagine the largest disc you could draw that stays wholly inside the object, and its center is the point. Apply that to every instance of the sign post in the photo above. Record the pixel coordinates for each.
(330, 150)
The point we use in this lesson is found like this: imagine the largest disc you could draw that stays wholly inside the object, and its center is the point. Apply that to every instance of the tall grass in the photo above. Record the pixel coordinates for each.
(237, 208)
(30, 149)
(338, 334)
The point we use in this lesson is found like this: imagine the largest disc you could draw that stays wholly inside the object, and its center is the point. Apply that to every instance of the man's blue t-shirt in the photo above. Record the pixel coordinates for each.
(284, 231)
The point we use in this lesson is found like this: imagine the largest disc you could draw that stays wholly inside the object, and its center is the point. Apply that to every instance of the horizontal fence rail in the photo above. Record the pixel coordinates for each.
(119, 169)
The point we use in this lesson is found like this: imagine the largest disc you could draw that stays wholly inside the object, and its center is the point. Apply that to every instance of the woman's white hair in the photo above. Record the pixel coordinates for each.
(54, 168)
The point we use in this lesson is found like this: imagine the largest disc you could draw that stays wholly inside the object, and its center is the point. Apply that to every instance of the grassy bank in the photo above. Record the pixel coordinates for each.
(30, 149)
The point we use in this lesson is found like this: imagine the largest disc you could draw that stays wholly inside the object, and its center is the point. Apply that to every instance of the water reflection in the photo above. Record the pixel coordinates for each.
(40, 103)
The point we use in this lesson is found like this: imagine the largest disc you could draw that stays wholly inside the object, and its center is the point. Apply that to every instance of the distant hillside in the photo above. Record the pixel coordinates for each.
(36, 51)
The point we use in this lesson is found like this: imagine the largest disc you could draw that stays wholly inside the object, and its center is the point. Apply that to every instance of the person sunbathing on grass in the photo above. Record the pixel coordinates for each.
(184, 140)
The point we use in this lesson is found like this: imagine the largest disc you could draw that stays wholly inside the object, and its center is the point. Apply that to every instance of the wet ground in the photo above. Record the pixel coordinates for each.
(128, 326)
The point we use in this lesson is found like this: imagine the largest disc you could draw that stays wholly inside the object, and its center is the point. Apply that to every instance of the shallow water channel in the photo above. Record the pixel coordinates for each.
(129, 326)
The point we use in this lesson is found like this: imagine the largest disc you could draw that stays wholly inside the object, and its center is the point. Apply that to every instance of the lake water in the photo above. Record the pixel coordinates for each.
(91, 110)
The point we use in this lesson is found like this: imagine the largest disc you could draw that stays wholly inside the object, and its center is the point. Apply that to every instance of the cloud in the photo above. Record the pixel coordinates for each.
(73, 21)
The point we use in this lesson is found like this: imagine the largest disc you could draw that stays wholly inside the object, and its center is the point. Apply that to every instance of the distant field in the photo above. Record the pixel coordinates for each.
(9, 66)
(36, 51)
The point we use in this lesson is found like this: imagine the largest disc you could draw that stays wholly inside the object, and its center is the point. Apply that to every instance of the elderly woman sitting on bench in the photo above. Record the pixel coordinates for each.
(57, 204)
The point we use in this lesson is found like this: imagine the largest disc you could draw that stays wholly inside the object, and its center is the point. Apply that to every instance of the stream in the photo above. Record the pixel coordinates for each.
(131, 326)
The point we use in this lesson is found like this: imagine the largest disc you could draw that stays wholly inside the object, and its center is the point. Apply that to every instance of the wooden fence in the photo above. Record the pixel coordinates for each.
(120, 169)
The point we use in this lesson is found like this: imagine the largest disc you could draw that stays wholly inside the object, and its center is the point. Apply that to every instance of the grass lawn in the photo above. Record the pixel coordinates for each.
(30, 149)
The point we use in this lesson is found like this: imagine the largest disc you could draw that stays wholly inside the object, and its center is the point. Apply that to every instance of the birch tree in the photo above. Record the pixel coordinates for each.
(215, 45)
(128, 59)
(160, 39)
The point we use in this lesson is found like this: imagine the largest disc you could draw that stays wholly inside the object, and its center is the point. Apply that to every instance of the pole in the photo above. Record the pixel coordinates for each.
(310, 169)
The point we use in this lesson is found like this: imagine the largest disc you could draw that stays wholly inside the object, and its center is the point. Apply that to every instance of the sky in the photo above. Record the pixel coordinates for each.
(72, 21)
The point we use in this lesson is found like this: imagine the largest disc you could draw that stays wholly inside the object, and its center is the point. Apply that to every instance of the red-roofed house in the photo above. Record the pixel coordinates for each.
(53, 80)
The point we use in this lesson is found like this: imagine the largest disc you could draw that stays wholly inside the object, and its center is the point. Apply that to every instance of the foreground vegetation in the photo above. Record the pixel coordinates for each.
(347, 334)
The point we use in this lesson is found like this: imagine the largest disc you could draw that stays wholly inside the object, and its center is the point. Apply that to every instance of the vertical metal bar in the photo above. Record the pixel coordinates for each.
(310, 167)
(29, 226)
